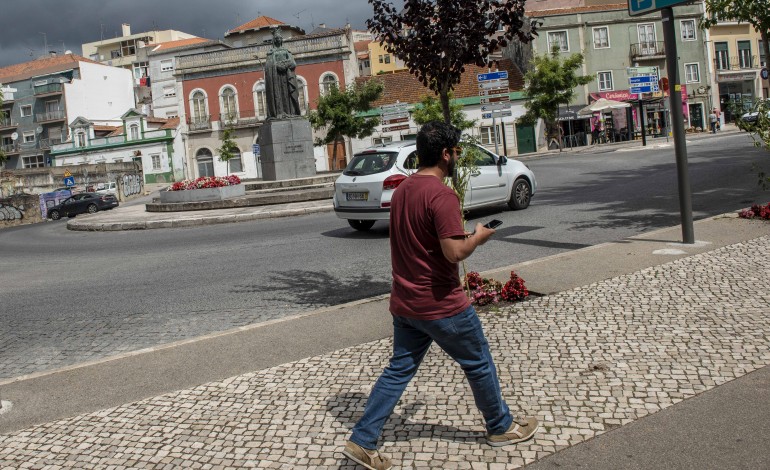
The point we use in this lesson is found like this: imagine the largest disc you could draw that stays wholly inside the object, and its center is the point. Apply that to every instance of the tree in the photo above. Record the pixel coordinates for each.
(229, 148)
(430, 110)
(753, 12)
(436, 38)
(337, 112)
(549, 84)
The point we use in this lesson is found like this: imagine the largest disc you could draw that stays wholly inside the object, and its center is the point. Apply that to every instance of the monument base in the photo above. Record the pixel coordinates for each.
(286, 149)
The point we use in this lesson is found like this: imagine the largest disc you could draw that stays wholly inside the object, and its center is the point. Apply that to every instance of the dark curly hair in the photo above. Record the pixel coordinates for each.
(432, 139)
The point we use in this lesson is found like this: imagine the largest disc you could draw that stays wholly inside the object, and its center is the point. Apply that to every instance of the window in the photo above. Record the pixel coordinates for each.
(169, 91)
(381, 59)
(601, 37)
(722, 55)
(260, 105)
(605, 80)
(155, 162)
(646, 34)
(559, 40)
(387, 58)
(688, 30)
(28, 137)
(744, 54)
(80, 139)
(302, 95)
(235, 164)
(381, 140)
(485, 158)
(762, 58)
(198, 107)
(487, 138)
(26, 110)
(205, 162)
(115, 54)
(227, 99)
(133, 132)
(691, 73)
(141, 69)
(167, 65)
(328, 82)
(35, 161)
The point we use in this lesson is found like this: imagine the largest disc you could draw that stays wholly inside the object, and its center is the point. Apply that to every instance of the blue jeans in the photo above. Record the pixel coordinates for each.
(462, 337)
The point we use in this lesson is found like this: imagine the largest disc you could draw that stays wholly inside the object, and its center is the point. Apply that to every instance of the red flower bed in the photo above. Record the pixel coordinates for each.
(205, 182)
(485, 291)
(756, 212)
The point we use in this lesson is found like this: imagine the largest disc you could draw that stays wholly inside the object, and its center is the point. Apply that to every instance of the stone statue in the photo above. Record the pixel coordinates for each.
(280, 81)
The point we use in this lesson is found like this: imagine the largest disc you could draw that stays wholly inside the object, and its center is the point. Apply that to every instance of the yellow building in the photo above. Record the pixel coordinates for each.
(738, 59)
(382, 61)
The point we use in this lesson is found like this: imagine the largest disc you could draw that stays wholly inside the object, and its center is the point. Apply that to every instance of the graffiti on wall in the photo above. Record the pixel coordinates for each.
(132, 185)
(10, 212)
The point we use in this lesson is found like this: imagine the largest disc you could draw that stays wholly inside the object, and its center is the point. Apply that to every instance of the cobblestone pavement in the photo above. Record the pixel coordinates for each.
(584, 361)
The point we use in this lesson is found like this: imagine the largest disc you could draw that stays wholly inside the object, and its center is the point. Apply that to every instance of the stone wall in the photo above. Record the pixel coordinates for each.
(19, 209)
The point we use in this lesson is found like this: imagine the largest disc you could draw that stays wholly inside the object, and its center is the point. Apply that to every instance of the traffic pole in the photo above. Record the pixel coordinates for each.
(675, 101)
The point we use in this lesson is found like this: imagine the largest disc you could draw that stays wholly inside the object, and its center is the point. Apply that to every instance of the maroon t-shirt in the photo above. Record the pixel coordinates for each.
(425, 284)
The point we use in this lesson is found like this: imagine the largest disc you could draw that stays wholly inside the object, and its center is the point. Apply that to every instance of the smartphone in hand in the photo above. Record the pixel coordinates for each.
(493, 224)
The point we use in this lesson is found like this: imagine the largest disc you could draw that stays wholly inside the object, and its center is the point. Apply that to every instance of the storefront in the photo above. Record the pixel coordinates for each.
(656, 118)
(575, 129)
(737, 92)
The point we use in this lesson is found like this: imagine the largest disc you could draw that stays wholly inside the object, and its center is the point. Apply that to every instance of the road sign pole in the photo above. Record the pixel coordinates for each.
(675, 99)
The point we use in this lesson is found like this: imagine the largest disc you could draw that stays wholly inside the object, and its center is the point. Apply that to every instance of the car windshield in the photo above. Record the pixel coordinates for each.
(369, 163)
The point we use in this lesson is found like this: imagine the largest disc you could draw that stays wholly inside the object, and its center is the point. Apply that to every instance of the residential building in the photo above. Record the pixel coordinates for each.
(227, 87)
(382, 61)
(139, 139)
(738, 58)
(500, 134)
(362, 56)
(611, 42)
(49, 94)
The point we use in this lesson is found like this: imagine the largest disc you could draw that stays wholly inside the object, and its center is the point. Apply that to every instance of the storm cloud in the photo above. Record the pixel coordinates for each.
(30, 26)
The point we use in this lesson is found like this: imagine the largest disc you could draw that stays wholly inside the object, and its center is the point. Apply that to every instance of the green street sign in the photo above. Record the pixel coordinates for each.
(642, 7)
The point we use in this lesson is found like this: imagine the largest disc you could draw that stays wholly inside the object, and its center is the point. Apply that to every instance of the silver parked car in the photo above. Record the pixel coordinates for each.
(362, 193)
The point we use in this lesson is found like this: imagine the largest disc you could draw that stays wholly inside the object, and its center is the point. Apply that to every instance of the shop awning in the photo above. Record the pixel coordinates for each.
(570, 113)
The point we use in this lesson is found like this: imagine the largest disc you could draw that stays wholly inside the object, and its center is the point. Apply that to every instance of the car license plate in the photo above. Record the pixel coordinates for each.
(357, 196)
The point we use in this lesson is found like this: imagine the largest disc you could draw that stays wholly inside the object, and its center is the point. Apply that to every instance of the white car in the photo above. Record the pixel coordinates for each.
(362, 193)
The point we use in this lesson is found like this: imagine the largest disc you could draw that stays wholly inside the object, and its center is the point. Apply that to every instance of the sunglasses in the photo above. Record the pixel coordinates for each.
(458, 150)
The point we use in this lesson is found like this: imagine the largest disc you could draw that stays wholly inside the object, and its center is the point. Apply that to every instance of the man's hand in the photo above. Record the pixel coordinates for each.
(483, 233)
(458, 248)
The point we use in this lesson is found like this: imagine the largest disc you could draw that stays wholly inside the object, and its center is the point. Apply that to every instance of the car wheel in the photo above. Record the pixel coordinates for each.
(362, 225)
(92, 209)
(520, 195)
(55, 215)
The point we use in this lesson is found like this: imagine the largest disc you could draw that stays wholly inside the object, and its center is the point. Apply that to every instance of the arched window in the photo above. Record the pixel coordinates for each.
(302, 95)
(205, 162)
(329, 81)
(260, 105)
(229, 106)
(235, 164)
(198, 107)
(133, 132)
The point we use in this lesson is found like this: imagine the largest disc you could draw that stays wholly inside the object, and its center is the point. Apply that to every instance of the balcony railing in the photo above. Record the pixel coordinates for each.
(199, 123)
(47, 143)
(10, 148)
(113, 141)
(736, 62)
(236, 120)
(648, 50)
(48, 89)
(50, 116)
(7, 122)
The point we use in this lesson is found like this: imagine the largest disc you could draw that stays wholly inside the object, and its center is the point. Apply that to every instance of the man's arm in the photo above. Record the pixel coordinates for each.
(456, 249)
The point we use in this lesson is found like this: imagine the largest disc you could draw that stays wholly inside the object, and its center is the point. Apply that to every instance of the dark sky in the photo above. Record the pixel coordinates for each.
(68, 24)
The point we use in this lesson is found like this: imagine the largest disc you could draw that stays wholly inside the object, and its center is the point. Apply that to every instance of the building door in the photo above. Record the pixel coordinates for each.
(696, 116)
(341, 161)
(646, 38)
(525, 139)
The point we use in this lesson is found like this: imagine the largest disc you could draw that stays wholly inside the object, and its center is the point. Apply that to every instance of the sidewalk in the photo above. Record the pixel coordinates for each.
(631, 329)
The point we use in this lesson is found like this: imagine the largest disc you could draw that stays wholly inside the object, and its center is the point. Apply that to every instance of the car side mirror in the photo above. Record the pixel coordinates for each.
(502, 160)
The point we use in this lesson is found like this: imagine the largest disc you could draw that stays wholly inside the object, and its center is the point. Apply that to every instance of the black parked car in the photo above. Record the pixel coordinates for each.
(81, 204)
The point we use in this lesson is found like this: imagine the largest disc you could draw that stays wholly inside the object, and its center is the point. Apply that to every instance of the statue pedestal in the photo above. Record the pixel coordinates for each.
(286, 149)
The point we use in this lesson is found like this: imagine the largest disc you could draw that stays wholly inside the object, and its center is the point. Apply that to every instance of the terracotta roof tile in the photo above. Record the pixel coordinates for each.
(33, 68)
(361, 46)
(171, 123)
(102, 128)
(257, 23)
(568, 11)
(402, 86)
(164, 46)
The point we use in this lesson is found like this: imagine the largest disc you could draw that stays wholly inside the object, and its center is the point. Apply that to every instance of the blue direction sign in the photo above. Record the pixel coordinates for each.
(641, 7)
(255, 149)
(69, 181)
(485, 77)
(644, 89)
(643, 79)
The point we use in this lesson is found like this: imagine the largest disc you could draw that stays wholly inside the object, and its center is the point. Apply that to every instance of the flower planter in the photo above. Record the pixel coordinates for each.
(203, 194)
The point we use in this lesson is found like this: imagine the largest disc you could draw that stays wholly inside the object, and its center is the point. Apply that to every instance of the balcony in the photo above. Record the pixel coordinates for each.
(648, 50)
(199, 123)
(110, 142)
(8, 98)
(48, 89)
(743, 62)
(7, 123)
(236, 120)
(50, 116)
(47, 143)
(10, 149)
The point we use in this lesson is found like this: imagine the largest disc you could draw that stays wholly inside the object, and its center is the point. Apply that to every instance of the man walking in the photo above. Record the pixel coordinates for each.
(427, 240)
(713, 120)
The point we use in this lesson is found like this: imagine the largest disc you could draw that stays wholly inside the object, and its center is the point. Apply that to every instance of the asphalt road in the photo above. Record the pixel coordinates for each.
(70, 296)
